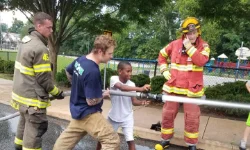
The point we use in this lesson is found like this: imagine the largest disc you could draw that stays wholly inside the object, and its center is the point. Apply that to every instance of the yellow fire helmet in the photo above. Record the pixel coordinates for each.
(190, 24)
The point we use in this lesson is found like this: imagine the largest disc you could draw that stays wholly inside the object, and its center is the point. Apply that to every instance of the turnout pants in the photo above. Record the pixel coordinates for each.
(32, 125)
(96, 126)
(191, 117)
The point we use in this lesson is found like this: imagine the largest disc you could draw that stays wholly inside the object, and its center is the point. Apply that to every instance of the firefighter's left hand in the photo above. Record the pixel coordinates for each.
(60, 95)
(187, 43)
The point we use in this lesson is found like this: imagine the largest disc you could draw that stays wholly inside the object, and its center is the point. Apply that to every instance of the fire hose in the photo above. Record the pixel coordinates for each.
(161, 98)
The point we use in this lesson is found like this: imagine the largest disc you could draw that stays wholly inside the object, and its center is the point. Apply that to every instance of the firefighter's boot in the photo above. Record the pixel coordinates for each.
(17, 147)
(163, 145)
(193, 147)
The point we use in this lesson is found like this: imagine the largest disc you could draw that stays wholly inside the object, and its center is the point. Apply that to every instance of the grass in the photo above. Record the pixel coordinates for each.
(6, 76)
(63, 62)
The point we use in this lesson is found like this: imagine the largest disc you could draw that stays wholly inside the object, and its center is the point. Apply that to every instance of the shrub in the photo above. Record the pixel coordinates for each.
(1, 66)
(140, 80)
(156, 84)
(109, 73)
(9, 67)
(229, 92)
(61, 79)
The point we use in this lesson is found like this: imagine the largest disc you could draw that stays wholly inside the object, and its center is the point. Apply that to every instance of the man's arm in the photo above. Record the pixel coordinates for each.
(69, 76)
(94, 101)
(93, 88)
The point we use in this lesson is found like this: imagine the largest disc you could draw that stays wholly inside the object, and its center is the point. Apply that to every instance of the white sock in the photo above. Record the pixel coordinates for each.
(243, 144)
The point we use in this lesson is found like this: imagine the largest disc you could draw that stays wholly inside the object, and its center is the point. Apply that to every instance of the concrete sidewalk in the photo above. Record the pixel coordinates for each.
(215, 133)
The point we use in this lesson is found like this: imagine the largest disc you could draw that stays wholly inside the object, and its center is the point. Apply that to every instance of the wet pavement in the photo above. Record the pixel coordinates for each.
(56, 126)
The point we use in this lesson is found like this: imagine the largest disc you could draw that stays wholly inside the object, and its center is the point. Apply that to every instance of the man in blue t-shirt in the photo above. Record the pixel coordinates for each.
(87, 98)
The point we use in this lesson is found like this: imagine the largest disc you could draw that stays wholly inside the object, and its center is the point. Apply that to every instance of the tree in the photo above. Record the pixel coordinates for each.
(230, 42)
(24, 29)
(145, 41)
(16, 26)
(73, 16)
(226, 12)
(4, 27)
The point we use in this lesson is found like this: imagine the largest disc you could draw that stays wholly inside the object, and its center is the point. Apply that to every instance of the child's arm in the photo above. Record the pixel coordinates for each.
(137, 102)
(123, 87)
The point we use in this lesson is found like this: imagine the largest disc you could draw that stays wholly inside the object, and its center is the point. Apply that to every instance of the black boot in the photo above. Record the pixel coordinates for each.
(193, 147)
(17, 147)
(163, 145)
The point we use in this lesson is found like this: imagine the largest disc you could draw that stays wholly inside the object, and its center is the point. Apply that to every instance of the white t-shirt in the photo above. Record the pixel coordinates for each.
(121, 109)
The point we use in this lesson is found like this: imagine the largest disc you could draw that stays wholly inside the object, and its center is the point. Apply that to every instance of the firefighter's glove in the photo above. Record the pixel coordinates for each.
(187, 43)
(59, 96)
(167, 75)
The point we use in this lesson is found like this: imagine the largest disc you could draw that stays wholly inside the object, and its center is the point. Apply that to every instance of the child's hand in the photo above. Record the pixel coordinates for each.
(145, 103)
(146, 87)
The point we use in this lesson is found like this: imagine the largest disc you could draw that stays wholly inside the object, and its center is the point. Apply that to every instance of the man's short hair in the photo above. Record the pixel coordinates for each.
(103, 42)
(39, 17)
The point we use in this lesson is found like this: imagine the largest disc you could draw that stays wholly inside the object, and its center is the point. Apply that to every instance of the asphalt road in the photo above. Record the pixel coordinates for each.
(56, 126)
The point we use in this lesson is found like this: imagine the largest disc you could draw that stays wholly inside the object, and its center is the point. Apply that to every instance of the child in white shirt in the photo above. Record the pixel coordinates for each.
(121, 112)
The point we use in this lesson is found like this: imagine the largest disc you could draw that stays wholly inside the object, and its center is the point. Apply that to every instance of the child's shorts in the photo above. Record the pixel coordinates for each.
(127, 128)
(248, 120)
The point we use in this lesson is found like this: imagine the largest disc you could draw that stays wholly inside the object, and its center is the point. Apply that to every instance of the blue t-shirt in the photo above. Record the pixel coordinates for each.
(86, 84)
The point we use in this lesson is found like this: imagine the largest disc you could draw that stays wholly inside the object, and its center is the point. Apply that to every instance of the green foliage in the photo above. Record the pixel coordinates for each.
(24, 29)
(1, 65)
(230, 42)
(157, 83)
(79, 44)
(109, 72)
(4, 27)
(9, 67)
(140, 79)
(145, 41)
(229, 92)
(61, 78)
(16, 26)
(226, 12)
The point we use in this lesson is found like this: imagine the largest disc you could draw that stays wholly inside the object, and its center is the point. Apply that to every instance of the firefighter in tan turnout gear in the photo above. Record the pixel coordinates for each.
(33, 84)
